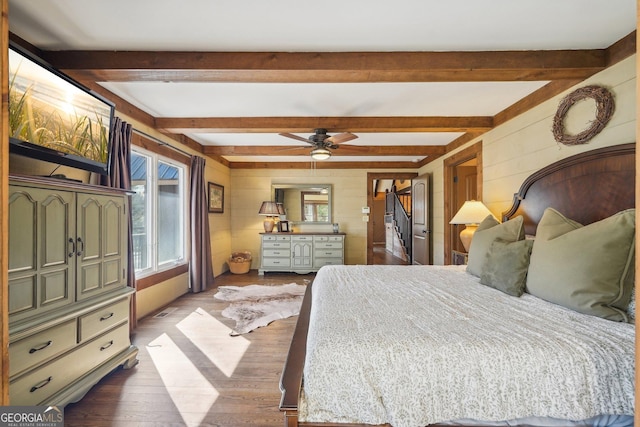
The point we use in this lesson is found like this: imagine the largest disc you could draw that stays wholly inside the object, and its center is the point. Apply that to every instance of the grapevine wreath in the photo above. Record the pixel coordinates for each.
(604, 111)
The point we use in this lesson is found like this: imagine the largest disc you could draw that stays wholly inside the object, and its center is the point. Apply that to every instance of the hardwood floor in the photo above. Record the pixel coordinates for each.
(191, 372)
(382, 257)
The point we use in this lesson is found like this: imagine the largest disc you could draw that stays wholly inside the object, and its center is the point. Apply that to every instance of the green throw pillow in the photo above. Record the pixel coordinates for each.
(590, 268)
(488, 231)
(505, 266)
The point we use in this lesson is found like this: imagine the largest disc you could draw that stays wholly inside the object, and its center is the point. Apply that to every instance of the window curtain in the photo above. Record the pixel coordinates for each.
(120, 177)
(201, 269)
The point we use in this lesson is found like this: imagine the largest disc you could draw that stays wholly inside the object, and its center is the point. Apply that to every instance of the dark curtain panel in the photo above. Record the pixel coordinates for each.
(201, 267)
(120, 177)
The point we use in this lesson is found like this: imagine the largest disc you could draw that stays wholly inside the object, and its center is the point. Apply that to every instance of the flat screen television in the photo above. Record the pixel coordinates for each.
(54, 118)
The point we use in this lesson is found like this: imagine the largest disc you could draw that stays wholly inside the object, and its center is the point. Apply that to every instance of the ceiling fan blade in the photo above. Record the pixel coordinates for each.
(299, 138)
(341, 137)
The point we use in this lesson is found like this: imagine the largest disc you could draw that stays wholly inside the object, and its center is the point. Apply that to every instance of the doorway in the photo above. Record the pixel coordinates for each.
(376, 225)
(463, 181)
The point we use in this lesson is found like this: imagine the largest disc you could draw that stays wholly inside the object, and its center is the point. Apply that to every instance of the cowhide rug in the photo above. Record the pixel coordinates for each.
(254, 306)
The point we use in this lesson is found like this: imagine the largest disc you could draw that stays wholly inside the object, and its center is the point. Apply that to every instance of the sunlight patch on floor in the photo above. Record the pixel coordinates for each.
(212, 338)
(190, 391)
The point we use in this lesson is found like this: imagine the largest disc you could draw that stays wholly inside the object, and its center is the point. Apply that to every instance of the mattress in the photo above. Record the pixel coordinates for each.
(416, 345)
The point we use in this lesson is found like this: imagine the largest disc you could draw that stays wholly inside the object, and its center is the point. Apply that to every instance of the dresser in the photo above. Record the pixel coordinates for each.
(68, 294)
(300, 252)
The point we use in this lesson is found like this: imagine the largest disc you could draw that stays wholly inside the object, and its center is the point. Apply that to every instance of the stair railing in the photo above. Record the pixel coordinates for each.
(402, 218)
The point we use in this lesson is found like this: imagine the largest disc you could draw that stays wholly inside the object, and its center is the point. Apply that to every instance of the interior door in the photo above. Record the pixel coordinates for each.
(421, 231)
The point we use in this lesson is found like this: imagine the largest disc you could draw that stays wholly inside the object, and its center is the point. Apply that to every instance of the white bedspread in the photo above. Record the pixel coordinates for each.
(415, 345)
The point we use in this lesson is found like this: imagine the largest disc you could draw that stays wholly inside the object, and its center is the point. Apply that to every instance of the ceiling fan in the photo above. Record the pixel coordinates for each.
(322, 142)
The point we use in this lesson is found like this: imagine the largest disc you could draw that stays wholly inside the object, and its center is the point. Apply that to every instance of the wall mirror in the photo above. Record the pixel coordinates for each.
(306, 203)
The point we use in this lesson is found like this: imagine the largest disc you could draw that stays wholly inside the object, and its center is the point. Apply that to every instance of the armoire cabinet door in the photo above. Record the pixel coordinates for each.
(41, 250)
(101, 244)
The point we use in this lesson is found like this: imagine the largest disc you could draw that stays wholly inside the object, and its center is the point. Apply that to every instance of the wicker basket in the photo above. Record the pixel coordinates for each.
(240, 262)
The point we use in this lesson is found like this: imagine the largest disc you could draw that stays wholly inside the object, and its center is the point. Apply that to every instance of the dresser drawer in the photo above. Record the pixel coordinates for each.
(276, 245)
(319, 262)
(276, 262)
(276, 238)
(328, 238)
(100, 320)
(286, 253)
(302, 238)
(38, 385)
(328, 245)
(32, 350)
(328, 253)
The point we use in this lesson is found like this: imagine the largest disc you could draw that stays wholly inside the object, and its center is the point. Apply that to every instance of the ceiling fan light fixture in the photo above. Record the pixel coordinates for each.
(320, 154)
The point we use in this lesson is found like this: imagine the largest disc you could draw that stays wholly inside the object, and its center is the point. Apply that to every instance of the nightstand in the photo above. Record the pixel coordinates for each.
(459, 258)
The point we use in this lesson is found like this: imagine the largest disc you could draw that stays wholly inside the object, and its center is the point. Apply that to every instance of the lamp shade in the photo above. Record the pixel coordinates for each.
(320, 154)
(281, 210)
(471, 212)
(269, 209)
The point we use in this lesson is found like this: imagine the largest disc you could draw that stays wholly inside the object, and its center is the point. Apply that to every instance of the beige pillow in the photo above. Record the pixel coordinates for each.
(488, 231)
(590, 268)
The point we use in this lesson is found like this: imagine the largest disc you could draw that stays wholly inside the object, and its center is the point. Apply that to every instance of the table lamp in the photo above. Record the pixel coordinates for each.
(471, 215)
(269, 209)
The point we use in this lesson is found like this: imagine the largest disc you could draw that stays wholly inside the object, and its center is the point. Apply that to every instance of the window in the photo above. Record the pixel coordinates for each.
(158, 210)
(315, 206)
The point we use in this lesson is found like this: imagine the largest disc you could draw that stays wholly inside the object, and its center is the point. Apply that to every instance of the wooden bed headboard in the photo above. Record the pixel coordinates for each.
(586, 187)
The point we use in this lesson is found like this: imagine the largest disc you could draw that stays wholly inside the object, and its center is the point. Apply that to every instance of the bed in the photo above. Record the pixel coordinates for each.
(460, 345)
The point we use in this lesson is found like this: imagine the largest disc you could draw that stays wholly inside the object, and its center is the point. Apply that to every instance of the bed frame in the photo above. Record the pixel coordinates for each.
(586, 187)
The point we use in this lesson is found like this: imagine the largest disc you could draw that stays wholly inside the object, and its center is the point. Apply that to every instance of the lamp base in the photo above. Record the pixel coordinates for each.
(466, 235)
(268, 225)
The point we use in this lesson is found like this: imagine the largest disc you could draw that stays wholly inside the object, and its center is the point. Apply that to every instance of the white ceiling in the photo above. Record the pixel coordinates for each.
(327, 26)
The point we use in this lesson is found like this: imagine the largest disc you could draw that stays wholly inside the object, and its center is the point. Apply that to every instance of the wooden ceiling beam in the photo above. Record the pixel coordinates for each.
(310, 67)
(324, 165)
(343, 150)
(333, 124)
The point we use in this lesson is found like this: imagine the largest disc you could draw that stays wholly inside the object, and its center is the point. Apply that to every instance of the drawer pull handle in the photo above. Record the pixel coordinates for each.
(106, 316)
(73, 247)
(80, 246)
(42, 347)
(40, 385)
(107, 345)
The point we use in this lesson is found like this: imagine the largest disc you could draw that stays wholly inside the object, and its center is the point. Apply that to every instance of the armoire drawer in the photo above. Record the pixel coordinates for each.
(30, 351)
(100, 320)
(38, 385)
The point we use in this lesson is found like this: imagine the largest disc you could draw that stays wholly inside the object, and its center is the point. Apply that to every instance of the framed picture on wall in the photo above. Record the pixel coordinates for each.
(216, 198)
(283, 226)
